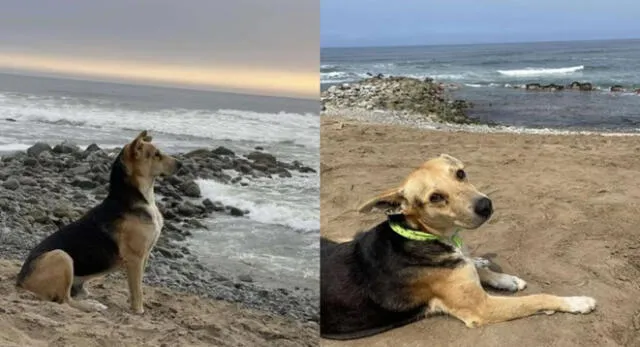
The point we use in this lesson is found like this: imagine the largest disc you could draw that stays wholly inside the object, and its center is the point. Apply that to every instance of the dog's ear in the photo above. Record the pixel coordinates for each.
(135, 147)
(391, 199)
(450, 159)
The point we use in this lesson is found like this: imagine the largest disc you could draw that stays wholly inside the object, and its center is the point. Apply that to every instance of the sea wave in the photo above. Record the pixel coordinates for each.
(530, 71)
(222, 124)
(271, 202)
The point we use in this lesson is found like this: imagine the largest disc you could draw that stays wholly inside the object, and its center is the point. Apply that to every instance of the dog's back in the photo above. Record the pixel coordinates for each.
(347, 307)
(89, 241)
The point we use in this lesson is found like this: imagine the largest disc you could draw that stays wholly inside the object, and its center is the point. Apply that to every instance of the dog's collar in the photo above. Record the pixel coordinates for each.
(416, 235)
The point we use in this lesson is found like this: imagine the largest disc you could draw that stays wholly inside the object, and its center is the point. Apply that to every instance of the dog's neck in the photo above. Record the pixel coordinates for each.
(146, 189)
(418, 225)
(126, 189)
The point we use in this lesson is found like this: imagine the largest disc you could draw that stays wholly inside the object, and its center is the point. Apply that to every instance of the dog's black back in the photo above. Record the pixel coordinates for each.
(364, 282)
(90, 240)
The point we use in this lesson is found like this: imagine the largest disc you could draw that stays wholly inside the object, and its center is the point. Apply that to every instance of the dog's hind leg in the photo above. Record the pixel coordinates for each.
(500, 280)
(51, 278)
(460, 294)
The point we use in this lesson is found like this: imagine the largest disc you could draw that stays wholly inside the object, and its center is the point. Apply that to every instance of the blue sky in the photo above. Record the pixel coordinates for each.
(355, 23)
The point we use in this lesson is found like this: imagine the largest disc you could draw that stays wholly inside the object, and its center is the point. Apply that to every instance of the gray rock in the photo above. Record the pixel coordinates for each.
(190, 189)
(261, 157)
(187, 209)
(11, 184)
(223, 151)
(65, 148)
(30, 162)
(92, 148)
(62, 211)
(84, 183)
(38, 148)
(28, 181)
(199, 153)
(81, 170)
(234, 211)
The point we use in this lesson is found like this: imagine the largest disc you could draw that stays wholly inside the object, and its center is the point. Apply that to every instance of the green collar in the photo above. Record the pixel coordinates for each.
(416, 235)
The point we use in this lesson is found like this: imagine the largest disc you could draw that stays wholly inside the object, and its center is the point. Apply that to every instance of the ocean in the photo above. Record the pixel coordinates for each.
(489, 75)
(277, 242)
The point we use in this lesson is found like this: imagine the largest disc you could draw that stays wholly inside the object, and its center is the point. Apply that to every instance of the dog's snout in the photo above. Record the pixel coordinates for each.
(483, 207)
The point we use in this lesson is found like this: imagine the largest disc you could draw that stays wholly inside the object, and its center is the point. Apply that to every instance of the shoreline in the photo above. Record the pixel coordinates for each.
(45, 187)
(418, 121)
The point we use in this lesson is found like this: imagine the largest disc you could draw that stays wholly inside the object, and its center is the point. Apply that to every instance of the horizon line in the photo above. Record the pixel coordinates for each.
(149, 85)
(251, 81)
(480, 43)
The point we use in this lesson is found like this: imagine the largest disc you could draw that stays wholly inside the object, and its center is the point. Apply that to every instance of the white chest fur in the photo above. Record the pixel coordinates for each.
(156, 217)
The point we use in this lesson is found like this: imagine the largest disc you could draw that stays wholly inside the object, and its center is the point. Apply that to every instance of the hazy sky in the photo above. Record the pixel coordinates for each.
(255, 46)
(415, 22)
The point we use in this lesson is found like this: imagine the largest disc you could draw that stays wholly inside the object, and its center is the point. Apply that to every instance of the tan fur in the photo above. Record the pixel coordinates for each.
(51, 279)
(52, 274)
(458, 291)
(412, 198)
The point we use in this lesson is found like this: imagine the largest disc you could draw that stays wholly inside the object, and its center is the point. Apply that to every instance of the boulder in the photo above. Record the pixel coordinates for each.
(39, 147)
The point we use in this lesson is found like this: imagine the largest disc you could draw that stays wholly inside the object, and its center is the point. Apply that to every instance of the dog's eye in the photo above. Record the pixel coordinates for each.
(436, 197)
(461, 174)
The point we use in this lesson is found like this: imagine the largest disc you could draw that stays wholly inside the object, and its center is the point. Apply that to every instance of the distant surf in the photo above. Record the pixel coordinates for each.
(531, 71)
(493, 77)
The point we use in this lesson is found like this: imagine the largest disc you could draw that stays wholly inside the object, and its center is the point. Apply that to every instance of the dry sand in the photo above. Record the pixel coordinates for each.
(567, 221)
(170, 320)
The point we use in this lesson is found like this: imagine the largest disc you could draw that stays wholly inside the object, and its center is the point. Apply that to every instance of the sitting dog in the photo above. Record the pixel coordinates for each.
(413, 263)
(119, 233)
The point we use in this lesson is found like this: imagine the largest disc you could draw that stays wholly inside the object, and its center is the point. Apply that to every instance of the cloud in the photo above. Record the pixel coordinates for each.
(277, 39)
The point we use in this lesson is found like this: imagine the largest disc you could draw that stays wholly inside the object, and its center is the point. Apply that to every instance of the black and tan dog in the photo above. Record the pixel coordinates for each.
(413, 263)
(119, 233)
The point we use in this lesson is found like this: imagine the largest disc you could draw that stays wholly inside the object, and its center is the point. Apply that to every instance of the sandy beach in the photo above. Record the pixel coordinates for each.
(566, 221)
(170, 319)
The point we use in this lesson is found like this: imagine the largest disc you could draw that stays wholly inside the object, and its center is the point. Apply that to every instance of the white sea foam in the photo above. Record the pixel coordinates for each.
(13, 147)
(530, 71)
(222, 124)
(276, 201)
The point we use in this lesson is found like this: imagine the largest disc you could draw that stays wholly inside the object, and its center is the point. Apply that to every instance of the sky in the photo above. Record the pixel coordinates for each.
(248, 46)
(356, 23)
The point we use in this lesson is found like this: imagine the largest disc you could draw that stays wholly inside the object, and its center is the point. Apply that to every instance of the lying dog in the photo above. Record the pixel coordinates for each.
(119, 233)
(414, 263)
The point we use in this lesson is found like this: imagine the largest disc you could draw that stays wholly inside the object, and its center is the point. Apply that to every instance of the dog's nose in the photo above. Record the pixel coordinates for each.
(178, 164)
(483, 207)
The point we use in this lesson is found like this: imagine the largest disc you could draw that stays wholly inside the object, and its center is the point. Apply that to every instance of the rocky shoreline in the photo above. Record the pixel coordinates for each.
(575, 85)
(424, 98)
(44, 188)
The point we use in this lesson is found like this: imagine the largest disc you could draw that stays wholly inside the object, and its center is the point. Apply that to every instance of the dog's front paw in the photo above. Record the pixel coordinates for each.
(580, 304)
(137, 310)
(518, 283)
(507, 282)
(481, 262)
